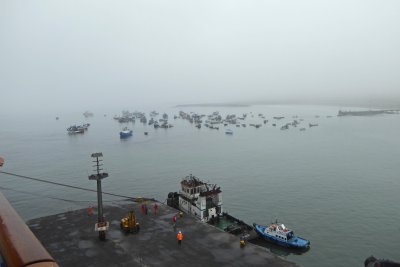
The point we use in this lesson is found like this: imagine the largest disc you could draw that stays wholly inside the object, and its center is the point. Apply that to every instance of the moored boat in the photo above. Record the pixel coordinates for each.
(198, 198)
(279, 234)
(88, 114)
(204, 202)
(75, 129)
(125, 133)
(84, 126)
(228, 131)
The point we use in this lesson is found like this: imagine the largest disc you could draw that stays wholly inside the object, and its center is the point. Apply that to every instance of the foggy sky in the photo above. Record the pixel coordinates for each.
(85, 54)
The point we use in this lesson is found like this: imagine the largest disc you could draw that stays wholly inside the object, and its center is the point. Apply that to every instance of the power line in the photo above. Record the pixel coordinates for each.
(74, 187)
(47, 196)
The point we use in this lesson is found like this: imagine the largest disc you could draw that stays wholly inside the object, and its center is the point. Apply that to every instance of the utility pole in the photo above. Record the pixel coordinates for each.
(101, 226)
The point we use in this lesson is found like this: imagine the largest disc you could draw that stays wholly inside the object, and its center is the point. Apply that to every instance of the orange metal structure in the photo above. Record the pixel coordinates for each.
(19, 247)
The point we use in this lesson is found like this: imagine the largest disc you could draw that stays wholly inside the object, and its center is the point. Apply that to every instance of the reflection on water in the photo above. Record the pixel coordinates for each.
(276, 249)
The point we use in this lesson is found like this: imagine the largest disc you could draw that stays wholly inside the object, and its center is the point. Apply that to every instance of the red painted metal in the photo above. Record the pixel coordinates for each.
(18, 245)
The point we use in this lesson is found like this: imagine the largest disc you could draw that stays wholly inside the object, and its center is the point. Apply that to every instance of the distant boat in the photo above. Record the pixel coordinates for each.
(75, 129)
(371, 261)
(367, 112)
(302, 129)
(125, 133)
(228, 131)
(279, 234)
(312, 125)
(84, 126)
(143, 119)
(153, 113)
(88, 114)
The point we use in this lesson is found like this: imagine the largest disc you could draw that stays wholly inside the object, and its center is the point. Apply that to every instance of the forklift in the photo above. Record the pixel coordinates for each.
(129, 224)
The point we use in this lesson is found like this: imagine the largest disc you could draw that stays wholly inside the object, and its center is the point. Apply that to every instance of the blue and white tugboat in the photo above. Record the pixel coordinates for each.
(125, 133)
(279, 234)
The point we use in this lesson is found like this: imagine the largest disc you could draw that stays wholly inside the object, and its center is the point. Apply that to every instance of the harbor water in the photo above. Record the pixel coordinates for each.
(336, 184)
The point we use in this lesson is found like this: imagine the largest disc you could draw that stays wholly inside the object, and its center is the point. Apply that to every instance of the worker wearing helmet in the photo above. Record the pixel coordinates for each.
(179, 236)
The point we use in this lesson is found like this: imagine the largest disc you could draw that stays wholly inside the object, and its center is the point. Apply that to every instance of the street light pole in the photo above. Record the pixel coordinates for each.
(101, 226)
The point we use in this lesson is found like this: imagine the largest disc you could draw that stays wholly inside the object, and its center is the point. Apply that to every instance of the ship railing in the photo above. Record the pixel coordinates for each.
(19, 247)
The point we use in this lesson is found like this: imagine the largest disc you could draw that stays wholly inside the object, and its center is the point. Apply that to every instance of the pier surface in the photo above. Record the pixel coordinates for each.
(71, 240)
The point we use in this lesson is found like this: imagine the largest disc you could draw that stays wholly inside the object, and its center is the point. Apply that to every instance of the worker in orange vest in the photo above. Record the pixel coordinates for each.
(89, 211)
(179, 236)
(155, 207)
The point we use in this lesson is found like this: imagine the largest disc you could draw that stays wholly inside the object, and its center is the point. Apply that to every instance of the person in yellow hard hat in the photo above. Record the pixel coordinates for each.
(179, 236)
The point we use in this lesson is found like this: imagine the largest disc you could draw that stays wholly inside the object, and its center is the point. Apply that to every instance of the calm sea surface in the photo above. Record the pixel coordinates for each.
(337, 184)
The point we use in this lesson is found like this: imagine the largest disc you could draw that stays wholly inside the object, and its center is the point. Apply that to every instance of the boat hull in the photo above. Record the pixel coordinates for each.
(125, 134)
(296, 242)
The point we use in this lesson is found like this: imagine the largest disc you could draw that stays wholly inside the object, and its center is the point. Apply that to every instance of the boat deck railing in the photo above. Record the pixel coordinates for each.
(19, 247)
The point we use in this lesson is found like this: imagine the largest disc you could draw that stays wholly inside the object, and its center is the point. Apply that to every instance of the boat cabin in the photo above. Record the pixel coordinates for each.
(200, 199)
(279, 231)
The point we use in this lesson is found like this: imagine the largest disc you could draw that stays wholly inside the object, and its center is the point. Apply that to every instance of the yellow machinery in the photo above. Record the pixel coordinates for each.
(242, 241)
(129, 224)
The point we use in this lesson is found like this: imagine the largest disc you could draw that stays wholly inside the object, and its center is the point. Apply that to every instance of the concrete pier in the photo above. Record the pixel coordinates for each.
(71, 240)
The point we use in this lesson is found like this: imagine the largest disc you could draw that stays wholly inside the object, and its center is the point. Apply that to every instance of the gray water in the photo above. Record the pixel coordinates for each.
(336, 184)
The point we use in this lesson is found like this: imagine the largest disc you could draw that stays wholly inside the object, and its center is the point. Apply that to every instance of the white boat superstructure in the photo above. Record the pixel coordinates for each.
(200, 199)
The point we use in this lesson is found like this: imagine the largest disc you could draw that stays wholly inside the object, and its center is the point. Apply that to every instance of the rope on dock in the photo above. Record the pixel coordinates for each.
(136, 199)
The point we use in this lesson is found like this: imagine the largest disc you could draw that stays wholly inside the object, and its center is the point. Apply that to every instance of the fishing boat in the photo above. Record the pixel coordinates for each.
(279, 234)
(88, 114)
(285, 127)
(75, 129)
(84, 126)
(125, 133)
(228, 131)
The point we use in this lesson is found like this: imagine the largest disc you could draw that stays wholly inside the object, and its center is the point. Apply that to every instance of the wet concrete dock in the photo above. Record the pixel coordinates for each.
(71, 240)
